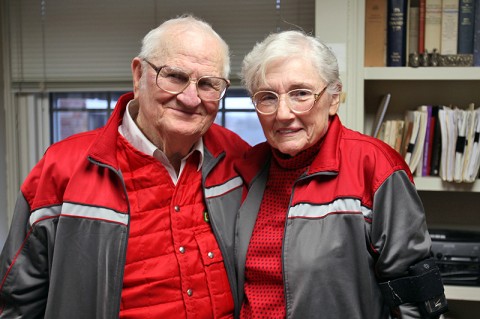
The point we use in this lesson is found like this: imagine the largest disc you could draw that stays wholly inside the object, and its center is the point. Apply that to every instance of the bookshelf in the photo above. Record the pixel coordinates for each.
(446, 204)
(411, 87)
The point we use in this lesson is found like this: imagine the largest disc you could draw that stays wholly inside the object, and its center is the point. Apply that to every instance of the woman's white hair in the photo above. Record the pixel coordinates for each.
(285, 45)
(155, 43)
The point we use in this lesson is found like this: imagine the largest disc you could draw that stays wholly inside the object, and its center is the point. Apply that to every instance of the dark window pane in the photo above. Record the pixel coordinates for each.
(97, 119)
(67, 123)
(76, 100)
(75, 112)
(114, 98)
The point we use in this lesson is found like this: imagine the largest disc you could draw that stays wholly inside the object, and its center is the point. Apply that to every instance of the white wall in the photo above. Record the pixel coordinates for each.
(334, 22)
(3, 177)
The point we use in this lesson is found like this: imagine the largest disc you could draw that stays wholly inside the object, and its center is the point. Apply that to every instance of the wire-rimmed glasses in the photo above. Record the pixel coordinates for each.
(174, 80)
(299, 100)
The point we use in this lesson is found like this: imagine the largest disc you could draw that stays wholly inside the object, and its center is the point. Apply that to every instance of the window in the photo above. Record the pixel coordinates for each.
(47, 36)
(236, 112)
(76, 112)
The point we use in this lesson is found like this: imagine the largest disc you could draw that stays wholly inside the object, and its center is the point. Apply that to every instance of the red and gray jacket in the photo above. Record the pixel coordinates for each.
(354, 219)
(65, 254)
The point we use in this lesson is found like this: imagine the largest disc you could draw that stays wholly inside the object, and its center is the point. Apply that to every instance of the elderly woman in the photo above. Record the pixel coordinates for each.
(332, 216)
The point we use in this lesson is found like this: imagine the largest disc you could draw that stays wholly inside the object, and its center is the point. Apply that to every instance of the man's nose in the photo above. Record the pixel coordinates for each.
(189, 96)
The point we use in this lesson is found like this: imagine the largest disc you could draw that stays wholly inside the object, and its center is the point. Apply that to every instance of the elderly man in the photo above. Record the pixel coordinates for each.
(134, 220)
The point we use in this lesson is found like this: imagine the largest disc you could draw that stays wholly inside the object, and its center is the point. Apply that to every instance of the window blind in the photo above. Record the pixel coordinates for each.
(94, 41)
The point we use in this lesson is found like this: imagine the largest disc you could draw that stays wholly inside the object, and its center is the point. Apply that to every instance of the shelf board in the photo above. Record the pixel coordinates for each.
(436, 184)
(468, 293)
(422, 73)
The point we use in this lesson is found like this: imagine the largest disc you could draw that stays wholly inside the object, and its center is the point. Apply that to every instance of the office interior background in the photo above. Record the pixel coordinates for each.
(64, 64)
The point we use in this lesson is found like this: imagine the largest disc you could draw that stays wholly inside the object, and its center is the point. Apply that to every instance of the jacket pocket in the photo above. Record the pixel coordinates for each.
(215, 274)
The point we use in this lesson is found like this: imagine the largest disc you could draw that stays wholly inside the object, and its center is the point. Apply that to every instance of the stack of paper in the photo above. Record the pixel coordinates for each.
(460, 159)
(418, 120)
(472, 158)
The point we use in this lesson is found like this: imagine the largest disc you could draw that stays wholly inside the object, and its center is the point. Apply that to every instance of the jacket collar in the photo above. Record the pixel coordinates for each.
(104, 147)
(328, 158)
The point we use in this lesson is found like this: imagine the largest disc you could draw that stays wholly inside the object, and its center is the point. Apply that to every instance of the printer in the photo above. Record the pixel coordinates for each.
(457, 254)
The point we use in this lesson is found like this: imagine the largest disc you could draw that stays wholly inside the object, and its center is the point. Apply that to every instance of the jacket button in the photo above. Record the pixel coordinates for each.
(189, 292)
(177, 208)
(181, 249)
(210, 255)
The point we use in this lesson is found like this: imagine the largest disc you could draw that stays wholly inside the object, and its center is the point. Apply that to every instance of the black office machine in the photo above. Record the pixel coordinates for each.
(457, 254)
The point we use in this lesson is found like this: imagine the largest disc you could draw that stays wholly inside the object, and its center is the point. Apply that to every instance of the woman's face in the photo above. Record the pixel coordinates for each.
(285, 130)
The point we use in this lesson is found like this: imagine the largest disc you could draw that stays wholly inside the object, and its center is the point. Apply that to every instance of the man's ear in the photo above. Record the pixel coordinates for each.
(137, 74)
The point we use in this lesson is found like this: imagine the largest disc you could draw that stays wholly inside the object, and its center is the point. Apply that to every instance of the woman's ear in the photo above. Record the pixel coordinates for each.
(337, 98)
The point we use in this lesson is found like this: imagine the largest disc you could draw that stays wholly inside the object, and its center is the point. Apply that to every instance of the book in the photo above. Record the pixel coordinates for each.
(451, 125)
(375, 33)
(469, 140)
(417, 138)
(427, 148)
(399, 126)
(462, 121)
(476, 37)
(436, 142)
(433, 24)
(442, 117)
(421, 26)
(466, 16)
(392, 133)
(380, 115)
(417, 153)
(407, 134)
(413, 26)
(381, 132)
(449, 37)
(396, 32)
(474, 162)
(387, 131)
(411, 119)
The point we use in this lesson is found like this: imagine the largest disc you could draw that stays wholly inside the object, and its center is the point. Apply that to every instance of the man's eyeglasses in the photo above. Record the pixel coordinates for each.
(299, 100)
(174, 80)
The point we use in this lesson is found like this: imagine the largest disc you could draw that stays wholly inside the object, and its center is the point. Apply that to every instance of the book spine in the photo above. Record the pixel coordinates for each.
(449, 38)
(412, 32)
(421, 27)
(476, 40)
(433, 24)
(427, 145)
(375, 33)
(436, 143)
(466, 11)
(396, 32)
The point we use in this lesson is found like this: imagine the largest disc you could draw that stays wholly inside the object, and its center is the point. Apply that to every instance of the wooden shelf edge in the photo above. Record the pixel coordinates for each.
(425, 73)
(467, 293)
(436, 184)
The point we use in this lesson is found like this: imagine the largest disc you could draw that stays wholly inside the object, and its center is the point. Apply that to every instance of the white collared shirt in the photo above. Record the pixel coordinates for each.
(134, 136)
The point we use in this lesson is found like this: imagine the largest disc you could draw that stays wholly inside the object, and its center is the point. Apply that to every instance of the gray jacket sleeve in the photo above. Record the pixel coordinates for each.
(399, 231)
(23, 268)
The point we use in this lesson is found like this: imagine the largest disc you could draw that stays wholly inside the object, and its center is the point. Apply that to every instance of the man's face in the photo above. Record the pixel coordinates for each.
(173, 118)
